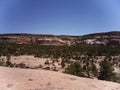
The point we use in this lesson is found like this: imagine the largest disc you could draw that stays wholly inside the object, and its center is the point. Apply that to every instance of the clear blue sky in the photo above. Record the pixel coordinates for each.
(68, 17)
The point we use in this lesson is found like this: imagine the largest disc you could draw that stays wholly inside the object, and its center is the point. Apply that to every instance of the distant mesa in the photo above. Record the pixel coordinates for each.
(104, 38)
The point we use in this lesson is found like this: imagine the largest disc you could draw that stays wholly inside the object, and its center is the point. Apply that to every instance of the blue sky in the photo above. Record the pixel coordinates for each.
(68, 17)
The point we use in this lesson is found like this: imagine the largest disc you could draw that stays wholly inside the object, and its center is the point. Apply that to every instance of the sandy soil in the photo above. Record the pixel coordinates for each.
(117, 71)
(27, 59)
(31, 79)
(33, 62)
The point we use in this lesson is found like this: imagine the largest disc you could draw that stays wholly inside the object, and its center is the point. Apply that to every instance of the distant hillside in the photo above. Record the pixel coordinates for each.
(102, 34)
(105, 38)
(42, 39)
(35, 35)
(73, 36)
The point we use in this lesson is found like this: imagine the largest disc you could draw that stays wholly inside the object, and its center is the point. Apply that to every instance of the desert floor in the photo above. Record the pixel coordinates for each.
(31, 79)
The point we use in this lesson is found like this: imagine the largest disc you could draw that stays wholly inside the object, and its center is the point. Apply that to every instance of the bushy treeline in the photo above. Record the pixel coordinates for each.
(57, 51)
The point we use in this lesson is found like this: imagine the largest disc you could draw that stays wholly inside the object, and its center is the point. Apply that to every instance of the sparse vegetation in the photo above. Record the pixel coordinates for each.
(85, 66)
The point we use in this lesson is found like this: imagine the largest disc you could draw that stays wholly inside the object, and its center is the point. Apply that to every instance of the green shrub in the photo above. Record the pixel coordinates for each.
(63, 63)
(106, 71)
(21, 65)
(47, 62)
(75, 69)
